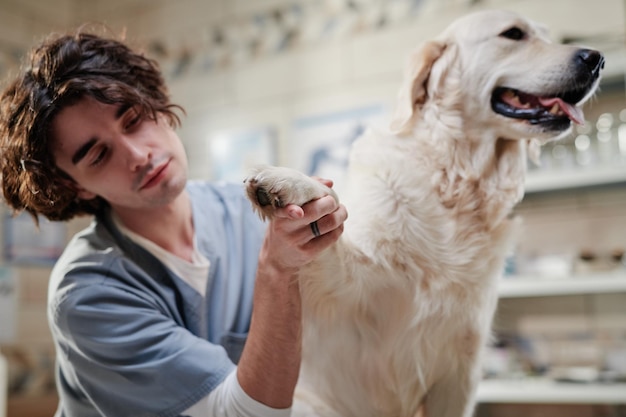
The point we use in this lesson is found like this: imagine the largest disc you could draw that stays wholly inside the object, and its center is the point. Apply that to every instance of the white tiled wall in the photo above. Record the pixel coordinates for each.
(23, 22)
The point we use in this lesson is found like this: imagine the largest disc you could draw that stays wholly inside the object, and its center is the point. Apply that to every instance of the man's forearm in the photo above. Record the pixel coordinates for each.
(270, 363)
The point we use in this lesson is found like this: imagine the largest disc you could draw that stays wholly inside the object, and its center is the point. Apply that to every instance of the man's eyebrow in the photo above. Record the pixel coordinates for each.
(82, 151)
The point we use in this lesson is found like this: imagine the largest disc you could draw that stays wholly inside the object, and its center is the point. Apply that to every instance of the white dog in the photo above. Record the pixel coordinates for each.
(397, 313)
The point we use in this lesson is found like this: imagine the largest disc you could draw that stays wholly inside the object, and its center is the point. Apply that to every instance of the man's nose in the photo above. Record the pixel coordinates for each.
(137, 153)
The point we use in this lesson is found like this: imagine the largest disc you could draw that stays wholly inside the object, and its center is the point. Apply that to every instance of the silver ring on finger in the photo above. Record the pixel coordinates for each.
(315, 229)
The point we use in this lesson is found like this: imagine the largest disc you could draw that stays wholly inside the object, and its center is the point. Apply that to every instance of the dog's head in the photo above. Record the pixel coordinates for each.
(502, 73)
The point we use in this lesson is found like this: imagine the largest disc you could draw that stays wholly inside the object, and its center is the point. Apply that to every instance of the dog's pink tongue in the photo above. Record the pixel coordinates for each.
(574, 113)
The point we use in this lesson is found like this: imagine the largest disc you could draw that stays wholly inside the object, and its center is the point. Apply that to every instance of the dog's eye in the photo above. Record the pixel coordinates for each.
(514, 33)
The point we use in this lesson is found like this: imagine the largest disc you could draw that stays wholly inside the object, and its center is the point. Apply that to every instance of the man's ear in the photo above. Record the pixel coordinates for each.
(85, 195)
(81, 193)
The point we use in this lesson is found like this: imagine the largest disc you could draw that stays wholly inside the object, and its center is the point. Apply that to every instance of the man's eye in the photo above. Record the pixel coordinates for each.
(133, 120)
(100, 155)
(132, 123)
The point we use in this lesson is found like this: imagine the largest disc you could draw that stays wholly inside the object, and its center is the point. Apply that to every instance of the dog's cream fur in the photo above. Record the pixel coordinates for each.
(396, 314)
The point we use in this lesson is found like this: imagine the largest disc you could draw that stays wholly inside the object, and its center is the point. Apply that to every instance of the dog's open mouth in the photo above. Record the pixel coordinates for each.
(558, 110)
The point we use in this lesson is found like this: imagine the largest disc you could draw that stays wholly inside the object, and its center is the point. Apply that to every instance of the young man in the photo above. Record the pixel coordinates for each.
(150, 306)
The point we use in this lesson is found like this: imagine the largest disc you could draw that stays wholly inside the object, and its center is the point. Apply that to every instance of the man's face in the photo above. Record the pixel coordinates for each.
(112, 152)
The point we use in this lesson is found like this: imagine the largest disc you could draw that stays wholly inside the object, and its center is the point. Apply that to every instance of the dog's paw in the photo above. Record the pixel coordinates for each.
(270, 188)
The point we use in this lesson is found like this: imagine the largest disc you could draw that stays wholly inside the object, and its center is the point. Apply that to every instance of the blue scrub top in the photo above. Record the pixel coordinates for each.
(132, 338)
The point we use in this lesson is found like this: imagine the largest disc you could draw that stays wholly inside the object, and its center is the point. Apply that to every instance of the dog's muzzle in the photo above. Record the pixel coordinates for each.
(554, 111)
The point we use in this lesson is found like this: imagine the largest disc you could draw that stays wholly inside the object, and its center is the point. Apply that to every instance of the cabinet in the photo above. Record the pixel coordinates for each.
(549, 392)
(575, 178)
(538, 390)
(541, 290)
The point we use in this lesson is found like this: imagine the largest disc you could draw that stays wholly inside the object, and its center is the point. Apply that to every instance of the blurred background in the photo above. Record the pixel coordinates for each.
(294, 82)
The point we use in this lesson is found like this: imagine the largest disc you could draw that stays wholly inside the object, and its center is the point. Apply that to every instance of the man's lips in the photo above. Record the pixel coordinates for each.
(153, 176)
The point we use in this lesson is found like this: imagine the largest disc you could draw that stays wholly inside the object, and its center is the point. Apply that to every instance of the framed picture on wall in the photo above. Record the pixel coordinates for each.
(8, 305)
(321, 143)
(27, 244)
(234, 152)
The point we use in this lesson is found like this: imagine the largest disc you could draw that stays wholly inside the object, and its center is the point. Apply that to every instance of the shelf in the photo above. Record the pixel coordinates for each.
(599, 283)
(550, 392)
(557, 180)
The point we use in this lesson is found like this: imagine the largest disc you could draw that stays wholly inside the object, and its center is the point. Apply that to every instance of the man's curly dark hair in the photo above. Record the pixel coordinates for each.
(62, 70)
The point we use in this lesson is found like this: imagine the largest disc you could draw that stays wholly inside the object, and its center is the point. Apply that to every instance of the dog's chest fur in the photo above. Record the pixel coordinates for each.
(428, 237)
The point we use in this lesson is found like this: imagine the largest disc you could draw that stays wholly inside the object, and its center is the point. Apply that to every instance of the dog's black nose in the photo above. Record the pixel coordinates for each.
(590, 59)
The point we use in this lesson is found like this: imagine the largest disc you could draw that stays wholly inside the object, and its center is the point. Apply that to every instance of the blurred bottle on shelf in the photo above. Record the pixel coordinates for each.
(585, 153)
(621, 138)
(606, 138)
(597, 143)
(562, 155)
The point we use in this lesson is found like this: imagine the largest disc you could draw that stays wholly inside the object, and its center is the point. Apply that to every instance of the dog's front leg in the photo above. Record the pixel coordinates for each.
(453, 395)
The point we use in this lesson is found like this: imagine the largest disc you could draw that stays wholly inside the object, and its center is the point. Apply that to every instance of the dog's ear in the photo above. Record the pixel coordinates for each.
(413, 92)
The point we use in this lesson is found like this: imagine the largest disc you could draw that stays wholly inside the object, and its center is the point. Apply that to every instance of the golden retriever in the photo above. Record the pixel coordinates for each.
(397, 313)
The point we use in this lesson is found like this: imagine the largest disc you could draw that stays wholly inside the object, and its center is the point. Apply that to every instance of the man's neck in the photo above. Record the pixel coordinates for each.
(170, 227)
